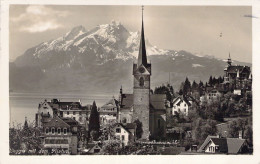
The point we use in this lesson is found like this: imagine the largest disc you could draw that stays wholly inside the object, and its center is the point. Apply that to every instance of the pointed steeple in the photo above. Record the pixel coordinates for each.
(142, 59)
(229, 60)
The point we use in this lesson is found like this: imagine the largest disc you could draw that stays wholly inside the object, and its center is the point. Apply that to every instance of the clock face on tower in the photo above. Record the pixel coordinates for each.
(141, 69)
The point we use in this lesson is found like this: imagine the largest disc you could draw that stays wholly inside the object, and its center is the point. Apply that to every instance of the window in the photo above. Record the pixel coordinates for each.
(74, 118)
(124, 120)
(118, 130)
(74, 113)
(68, 113)
(65, 131)
(123, 137)
(47, 130)
(185, 105)
(58, 130)
(185, 110)
(159, 123)
(52, 130)
(96, 150)
(141, 82)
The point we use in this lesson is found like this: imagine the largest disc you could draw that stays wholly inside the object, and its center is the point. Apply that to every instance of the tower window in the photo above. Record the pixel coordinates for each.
(141, 82)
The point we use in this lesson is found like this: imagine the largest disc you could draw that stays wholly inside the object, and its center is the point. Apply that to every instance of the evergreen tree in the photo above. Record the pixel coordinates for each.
(139, 128)
(25, 126)
(194, 86)
(186, 87)
(180, 92)
(94, 124)
(220, 80)
(201, 84)
(210, 81)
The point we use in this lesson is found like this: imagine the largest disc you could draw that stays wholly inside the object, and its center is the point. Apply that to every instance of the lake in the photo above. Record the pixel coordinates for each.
(26, 104)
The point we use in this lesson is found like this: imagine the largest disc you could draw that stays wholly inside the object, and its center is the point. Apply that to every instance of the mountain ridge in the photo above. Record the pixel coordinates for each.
(101, 59)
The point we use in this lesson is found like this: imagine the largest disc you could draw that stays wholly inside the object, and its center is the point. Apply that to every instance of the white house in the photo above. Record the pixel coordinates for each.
(181, 104)
(44, 114)
(215, 144)
(124, 133)
(108, 113)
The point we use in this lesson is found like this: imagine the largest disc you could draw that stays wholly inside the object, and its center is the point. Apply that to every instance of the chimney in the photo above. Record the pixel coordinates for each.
(240, 134)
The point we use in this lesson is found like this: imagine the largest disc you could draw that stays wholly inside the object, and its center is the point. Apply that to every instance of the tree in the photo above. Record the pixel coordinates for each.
(210, 81)
(94, 124)
(203, 128)
(168, 90)
(180, 92)
(139, 128)
(194, 86)
(186, 87)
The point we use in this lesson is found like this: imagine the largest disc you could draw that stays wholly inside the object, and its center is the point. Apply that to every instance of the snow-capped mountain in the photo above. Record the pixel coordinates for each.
(101, 59)
(104, 42)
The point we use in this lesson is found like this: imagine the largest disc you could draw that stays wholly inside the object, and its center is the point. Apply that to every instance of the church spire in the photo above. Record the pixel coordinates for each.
(142, 59)
(229, 60)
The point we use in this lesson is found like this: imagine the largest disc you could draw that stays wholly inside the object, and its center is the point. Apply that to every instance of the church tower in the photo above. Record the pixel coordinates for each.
(142, 73)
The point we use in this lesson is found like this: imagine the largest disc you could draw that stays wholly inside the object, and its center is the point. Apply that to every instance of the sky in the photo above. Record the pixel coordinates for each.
(202, 30)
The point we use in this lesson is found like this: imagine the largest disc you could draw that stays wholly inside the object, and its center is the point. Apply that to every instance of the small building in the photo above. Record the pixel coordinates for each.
(181, 105)
(53, 108)
(213, 95)
(94, 149)
(44, 114)
(215, 144)
(124, 133)
(108, 113)
(60, 136)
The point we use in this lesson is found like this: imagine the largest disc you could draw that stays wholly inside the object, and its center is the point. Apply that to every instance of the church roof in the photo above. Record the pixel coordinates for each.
(127, 100)
(142, 59)
(157, 101)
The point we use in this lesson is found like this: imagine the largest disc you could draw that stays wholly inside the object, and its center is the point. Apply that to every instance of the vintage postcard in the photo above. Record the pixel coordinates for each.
(130, 79)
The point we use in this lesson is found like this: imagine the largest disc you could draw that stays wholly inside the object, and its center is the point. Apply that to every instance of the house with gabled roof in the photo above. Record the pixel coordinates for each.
(216, 144)
(124, 133)
(181, 104)
(60, 135)
(74, 110)
(108, 113)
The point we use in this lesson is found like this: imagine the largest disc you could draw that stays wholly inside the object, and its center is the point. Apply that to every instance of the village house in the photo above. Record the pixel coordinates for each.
(60, 135)
(55, 107)
(93, 148)
(216, 144)
(108, 113)
(181, 104)
(124, 133)
(237, 78)
(44, 114)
